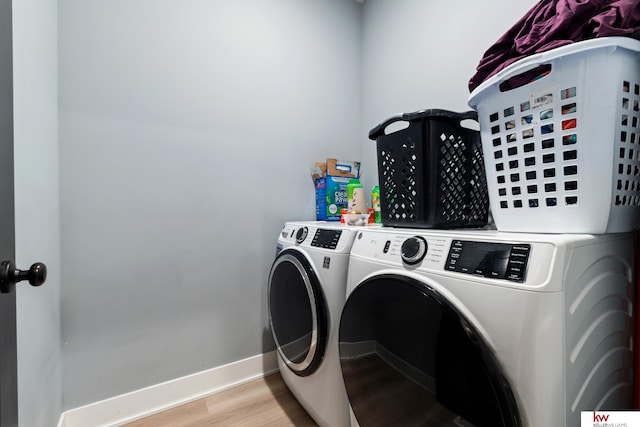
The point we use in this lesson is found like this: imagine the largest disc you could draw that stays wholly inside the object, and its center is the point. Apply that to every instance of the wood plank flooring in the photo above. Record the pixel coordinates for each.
(262, 402)
(382, 396)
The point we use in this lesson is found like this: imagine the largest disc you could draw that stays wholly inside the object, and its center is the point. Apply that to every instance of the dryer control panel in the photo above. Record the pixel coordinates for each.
(493, 260)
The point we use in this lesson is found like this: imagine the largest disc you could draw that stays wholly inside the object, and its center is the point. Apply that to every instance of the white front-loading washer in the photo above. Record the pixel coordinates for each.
(482, 328)
(307, 289)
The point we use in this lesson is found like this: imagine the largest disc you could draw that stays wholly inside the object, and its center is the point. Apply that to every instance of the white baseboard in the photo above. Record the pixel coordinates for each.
(141, 403)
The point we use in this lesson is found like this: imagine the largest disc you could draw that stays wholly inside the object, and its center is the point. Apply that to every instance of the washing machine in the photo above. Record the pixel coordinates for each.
(482, 328)
(307, 289)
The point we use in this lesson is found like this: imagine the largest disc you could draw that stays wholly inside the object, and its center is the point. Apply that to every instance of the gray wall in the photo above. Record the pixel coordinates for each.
(187, 130)
(421, 54)
(37, 209)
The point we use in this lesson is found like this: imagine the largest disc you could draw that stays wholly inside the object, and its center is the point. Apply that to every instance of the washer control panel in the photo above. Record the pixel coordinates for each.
(327, 239)
(493, 260)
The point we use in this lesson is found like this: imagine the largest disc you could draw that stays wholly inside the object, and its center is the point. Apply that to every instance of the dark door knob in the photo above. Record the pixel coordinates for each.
(10, 275)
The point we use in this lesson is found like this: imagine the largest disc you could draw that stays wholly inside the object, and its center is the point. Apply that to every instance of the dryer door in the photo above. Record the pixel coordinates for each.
(297, 312)
(409, 357)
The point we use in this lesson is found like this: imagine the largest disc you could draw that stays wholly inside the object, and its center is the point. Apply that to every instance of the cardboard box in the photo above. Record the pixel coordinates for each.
(319, 177)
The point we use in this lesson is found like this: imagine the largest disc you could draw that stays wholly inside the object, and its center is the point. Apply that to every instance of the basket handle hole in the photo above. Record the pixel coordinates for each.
(525, 78)
(396, 126)
(470, 124)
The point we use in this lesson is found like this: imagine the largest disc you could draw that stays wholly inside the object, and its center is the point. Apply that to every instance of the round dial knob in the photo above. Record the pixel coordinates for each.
(301, 234)
(413, 250)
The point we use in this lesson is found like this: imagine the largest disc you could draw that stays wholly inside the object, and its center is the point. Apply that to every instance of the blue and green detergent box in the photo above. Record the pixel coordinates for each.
(339, 172)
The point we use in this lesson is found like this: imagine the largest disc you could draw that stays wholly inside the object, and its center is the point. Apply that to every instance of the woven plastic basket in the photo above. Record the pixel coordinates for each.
(431, 173)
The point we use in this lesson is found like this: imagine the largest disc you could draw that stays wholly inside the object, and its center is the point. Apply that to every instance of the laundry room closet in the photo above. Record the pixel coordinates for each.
(184, 134)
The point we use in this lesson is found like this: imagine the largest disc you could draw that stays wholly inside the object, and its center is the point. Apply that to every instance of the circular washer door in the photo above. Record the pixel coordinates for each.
(297, 312)
(409, 357)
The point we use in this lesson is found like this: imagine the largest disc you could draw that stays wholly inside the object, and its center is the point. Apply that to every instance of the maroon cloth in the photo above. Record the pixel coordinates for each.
(553, 23)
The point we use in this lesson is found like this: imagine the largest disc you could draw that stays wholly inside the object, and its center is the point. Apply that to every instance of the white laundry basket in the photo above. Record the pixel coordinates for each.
(560, 134)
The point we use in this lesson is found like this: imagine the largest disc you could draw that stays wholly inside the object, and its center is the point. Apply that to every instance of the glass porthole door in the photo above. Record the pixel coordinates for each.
(297, 312)
(409, 357)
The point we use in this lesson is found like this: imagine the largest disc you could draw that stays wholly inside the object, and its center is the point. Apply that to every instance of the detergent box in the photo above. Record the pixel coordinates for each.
(339, 172)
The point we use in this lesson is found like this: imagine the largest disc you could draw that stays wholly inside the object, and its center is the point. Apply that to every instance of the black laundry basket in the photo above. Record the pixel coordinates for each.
(431, 174)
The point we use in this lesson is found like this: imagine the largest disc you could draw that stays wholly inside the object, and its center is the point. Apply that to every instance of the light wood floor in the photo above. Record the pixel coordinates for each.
(263, 402)
(382, 396)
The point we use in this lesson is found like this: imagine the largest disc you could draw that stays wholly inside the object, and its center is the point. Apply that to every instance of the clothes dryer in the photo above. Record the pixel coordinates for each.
(307, 289)
(482, 328)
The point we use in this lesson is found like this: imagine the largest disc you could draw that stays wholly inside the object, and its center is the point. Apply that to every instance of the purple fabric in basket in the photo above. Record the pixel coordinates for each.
(553, 23)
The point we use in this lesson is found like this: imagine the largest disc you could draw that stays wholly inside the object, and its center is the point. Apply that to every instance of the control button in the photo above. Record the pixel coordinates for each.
(413, 250)
(479, 271)
(302, 234)
(386, 246)
(516, 277)
(496, 275)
